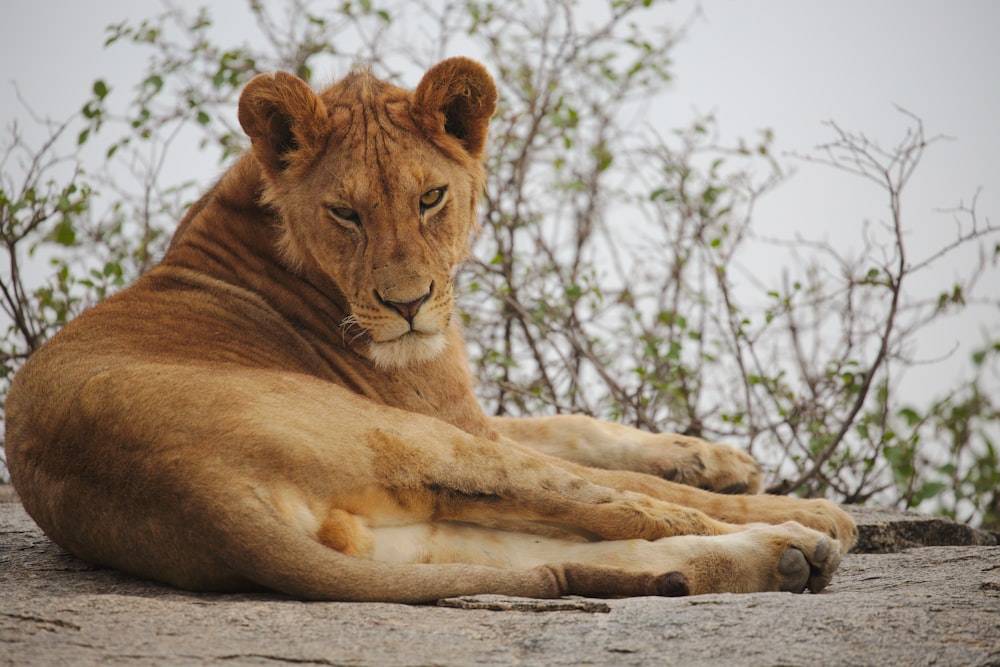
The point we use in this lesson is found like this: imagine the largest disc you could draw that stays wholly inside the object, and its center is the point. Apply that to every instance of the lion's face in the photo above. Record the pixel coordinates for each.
(377, 190)
(390, 232)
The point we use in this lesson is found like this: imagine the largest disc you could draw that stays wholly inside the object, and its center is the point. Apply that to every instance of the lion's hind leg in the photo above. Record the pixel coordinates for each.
(423, 562)
(788, 557)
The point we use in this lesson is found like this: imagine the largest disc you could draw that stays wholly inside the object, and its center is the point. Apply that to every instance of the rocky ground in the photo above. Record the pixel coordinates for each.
(919, 591)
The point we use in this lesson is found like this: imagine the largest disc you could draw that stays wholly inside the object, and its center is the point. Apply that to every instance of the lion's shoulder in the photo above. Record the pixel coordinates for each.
(329, 248)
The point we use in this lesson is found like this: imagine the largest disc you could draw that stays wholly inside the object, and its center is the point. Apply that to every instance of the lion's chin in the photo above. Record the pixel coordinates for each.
(411, 348)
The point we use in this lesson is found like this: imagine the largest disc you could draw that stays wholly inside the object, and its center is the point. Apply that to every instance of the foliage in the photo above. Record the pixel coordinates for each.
(608, 278)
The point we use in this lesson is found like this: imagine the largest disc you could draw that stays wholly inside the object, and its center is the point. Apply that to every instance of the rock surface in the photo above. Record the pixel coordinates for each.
(925, 605)
(883, 531)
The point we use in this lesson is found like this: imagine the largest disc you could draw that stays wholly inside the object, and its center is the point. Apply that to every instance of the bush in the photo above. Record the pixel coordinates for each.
(608, 277)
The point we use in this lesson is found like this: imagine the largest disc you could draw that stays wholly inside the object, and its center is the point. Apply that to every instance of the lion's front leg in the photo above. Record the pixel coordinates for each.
(616, 461)
(435, 472)
(597, 444)
(816, 513)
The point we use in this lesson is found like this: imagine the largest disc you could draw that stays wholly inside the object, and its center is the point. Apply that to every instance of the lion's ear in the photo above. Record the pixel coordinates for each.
(456, 98)
(284, 119)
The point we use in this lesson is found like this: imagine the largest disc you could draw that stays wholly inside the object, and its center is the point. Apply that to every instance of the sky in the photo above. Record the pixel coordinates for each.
(786, 65)
(793, 65)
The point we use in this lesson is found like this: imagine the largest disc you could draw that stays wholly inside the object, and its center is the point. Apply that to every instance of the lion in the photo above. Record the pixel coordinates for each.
(284, 402)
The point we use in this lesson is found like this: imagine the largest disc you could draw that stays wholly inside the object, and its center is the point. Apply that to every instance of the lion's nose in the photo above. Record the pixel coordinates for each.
(407, 309)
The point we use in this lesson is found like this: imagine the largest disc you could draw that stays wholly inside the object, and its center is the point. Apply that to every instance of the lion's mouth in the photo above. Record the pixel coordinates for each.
(410, 348)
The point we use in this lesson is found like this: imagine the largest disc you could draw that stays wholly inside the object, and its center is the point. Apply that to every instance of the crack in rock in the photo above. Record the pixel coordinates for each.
(505, 603)
(56, 623)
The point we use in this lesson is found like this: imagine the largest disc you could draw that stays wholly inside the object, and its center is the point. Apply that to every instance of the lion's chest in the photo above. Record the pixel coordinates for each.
(445, 394)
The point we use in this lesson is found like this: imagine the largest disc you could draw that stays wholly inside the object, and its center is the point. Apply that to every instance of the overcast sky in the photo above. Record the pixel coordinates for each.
(784, 64)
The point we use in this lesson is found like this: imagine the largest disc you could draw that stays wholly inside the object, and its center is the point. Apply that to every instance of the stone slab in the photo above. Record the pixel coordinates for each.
(921, 606)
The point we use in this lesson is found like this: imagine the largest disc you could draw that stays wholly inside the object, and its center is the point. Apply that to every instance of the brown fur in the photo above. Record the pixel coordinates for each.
(284, 401)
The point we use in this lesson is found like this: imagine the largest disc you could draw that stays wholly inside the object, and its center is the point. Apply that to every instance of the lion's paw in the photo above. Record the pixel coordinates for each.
(758, 558)
(710, 466)
(796, 558)
(826, 517)
(809, 560)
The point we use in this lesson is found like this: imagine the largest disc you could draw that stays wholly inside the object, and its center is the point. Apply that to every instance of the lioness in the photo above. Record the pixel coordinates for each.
(284, 402)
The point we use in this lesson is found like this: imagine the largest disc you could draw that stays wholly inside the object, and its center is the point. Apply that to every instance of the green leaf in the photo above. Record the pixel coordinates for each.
(154, 81)
(100, 89)
(926, 491)
(664, 194)
(112, 270)
(64, 234)
(910, 416)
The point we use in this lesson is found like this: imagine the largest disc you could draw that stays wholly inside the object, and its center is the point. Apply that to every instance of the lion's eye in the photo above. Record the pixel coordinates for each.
(431, 198)
(347, 217)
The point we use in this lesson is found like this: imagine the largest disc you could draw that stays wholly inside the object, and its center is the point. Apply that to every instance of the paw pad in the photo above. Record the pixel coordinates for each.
(794, 570)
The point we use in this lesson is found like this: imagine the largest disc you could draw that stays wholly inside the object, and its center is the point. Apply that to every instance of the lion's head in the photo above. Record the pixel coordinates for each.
(376, 189)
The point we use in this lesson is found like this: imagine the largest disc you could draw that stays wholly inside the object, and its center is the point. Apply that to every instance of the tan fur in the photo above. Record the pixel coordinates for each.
(284, 402)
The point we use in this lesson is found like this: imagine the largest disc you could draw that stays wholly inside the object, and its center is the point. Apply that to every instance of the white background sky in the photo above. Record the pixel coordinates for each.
(784, 64)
